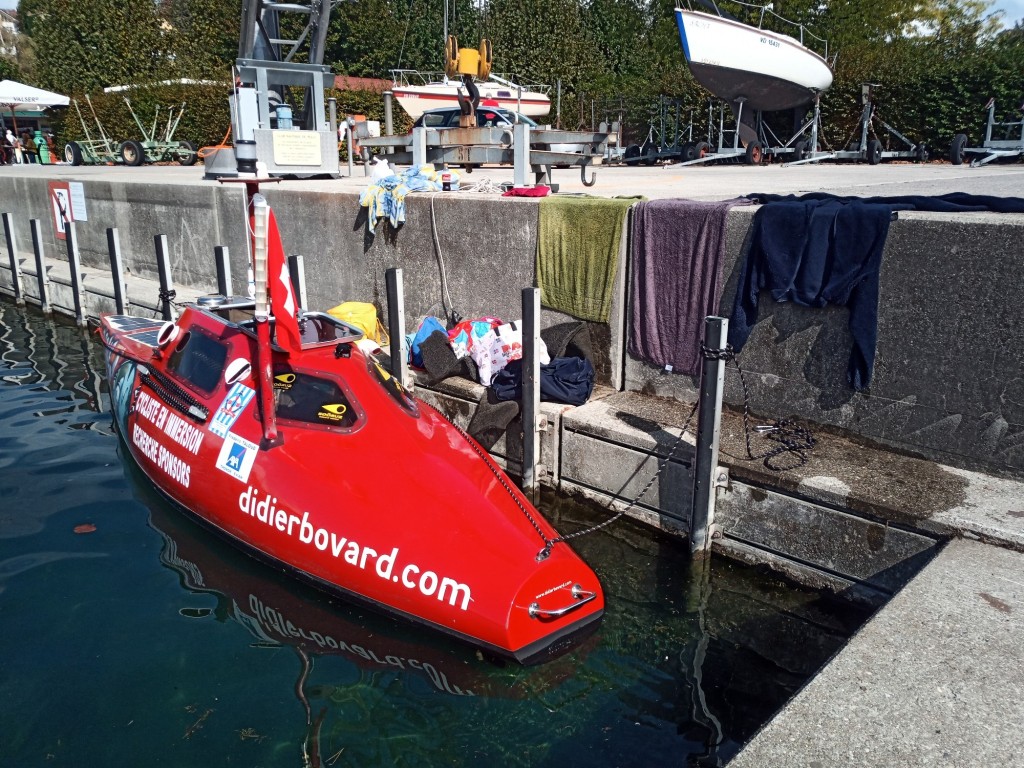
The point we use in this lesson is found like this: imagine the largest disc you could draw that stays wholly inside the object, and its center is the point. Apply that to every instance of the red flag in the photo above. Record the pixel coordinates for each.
(283, 305)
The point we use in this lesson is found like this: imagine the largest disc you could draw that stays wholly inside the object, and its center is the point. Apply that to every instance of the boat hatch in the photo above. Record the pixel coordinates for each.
(317, 328)
(310, 399)
(198, 359)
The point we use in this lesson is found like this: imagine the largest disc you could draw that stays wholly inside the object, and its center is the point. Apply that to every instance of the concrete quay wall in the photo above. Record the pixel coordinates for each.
(947, 381)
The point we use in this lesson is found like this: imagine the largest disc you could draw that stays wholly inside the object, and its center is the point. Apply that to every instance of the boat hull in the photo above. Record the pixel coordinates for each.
(417, 99)
(390, 504)
(768, 71)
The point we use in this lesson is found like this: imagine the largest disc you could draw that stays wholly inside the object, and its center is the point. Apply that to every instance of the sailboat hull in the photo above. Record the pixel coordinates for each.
(417, 99)
(767, 70)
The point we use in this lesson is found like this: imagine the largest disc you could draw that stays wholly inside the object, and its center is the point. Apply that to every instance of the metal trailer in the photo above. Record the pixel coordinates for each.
(869, 150)
(729, 146)
(663, 141)
(101, 151)
(1010, 145)
(154, 148)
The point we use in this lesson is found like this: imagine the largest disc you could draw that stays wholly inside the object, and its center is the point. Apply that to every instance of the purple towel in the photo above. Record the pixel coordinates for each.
(677, 253)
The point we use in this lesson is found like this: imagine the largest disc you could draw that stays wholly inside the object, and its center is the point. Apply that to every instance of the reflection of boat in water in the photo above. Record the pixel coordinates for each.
(278, 612)
(417, 92)
(766, 70)
(280, 433)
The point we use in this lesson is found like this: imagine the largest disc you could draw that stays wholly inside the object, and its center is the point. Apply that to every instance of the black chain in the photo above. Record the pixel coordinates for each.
(168, 296)
(791, 438)
(549, 543)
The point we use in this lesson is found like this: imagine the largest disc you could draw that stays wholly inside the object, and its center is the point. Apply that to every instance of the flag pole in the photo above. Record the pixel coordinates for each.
(264, 355)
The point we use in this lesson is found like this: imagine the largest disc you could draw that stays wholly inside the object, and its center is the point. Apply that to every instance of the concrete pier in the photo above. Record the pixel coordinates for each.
(933, 453)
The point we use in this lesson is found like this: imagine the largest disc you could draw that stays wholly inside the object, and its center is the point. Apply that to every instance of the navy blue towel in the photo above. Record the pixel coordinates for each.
(813, 253)
(954, 202)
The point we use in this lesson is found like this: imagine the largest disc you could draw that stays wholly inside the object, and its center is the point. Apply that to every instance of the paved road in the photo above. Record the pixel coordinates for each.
(694, 182)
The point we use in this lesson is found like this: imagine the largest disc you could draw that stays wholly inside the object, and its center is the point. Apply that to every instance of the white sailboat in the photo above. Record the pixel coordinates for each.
(765, 70)
(417, 92)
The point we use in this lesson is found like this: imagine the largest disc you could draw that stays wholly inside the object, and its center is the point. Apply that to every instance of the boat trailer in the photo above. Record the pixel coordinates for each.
(869, 150)
(525, 148)
(991, 149)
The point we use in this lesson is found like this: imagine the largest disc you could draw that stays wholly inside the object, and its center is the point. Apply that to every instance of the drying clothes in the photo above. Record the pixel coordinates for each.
(814, 253)
(385, 199)
(677, 251)
(578, 245)
(954, 202)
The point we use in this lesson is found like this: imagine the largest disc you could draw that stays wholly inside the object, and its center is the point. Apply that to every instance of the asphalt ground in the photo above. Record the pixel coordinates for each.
(707, 182)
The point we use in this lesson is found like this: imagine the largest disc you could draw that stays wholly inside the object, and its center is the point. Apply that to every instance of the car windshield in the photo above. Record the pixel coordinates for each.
(485, 116)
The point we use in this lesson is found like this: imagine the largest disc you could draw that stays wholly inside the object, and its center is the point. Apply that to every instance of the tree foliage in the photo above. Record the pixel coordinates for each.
(934, 62)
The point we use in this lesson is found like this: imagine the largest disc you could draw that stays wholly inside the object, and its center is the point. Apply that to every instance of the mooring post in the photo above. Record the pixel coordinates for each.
(222, 258)
(709, 422)
(12, 252)
(163, 263)
(297, 272)
(42, 278)
(396, 325)
(117, 270)
(531, 391)
(75, 263)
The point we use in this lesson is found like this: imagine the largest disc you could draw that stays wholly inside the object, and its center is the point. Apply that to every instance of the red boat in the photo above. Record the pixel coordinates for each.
(280, 433)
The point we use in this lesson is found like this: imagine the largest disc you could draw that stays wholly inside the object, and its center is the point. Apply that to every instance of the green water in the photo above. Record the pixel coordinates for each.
(149, 642)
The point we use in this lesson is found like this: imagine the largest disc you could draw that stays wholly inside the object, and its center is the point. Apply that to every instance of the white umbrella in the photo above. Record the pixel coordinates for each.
(15, 95)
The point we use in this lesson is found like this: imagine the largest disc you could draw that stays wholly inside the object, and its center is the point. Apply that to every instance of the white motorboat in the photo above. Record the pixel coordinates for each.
(764, 70)
(417, 92)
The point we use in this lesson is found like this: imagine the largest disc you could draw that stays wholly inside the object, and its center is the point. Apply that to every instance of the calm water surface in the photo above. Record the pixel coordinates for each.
(133, 637)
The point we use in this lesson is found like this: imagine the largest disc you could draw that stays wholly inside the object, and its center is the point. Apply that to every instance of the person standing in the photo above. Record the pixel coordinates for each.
(9, 144)
(15, 147)
(28, 147)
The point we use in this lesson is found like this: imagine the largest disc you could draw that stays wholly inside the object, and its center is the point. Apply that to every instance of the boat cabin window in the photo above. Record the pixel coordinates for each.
(198, 359)
(312, 399)
(392, 387)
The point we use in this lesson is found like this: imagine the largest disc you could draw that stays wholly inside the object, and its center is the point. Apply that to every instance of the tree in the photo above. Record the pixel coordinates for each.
(84, 45)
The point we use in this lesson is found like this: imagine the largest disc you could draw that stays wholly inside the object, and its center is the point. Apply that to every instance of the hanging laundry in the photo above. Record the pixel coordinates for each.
(677, 251)
(385, 199)
(578, 245)
(815, 253)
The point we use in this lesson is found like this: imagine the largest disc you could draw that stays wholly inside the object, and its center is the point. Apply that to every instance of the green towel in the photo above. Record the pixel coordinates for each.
(578, 243)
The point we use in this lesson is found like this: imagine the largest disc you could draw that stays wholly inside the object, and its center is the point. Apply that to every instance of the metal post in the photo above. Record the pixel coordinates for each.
(709, 422)
(396, 325)
(75, 262)
(349, 134)
(222, 258)
(389, 120)
(42, 278)
(531, 391)
(419, 146)
(520, 153)
(117, 271)
(297, 272)
(12, 252)
(163, 263)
